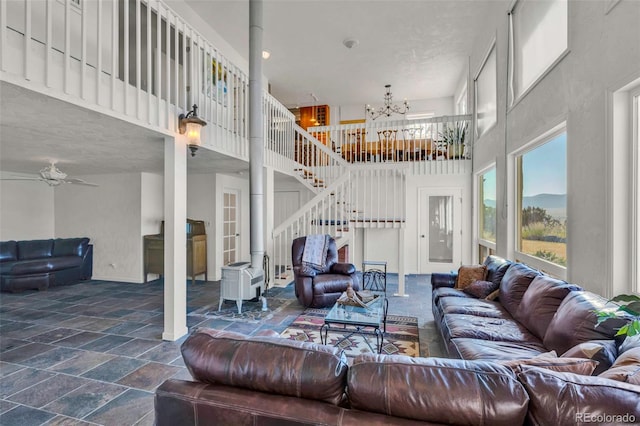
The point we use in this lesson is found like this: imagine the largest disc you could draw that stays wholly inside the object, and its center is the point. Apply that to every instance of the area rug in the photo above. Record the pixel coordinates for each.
(401, 337)
(251, 310)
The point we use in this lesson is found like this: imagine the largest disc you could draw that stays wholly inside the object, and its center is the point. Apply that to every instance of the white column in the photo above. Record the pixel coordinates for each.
(269, 205)
(175, 238)
(256, 134)
(401, 292)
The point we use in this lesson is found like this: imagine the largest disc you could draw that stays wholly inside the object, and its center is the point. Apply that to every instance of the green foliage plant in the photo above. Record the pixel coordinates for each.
(628, 308)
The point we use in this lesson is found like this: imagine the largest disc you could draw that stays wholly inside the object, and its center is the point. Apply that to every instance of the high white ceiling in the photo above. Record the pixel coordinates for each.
(420, 47)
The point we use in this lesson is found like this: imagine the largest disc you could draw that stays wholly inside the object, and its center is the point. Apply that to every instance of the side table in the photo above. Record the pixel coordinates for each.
(374, 279)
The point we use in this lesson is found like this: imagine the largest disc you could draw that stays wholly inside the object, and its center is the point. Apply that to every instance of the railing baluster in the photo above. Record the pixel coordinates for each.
(126, 56)
(3, 31)
(83, 52)
(27, 39)
(48, 40)
(138, 56)
(158, 80)
(99, 53)
(149, 42)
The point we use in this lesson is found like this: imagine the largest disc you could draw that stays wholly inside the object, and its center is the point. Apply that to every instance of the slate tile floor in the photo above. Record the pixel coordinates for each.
(92, 354)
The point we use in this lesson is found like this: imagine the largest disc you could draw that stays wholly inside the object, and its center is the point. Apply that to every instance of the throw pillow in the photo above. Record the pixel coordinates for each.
(480, 289)
(559, 398)
(469, 274)
(603, 351)
(626, 368)
(550, 361)
(493, 296)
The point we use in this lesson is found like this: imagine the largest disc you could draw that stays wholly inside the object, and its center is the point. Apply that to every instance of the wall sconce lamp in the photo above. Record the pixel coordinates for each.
(192, 125)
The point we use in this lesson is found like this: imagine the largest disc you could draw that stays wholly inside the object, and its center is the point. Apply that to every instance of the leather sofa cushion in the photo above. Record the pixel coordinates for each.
(480, 289)
(8, 251)
(491, 350)
(331, 283)
(514, 284)
(550, 361)
(565, 398)
(39, 266)
(498, 329)
(479, 307)
(267, 364)
(603, 351)
(34, 249)
(540, 303)
(575, 322)
(343, 268)
(448, 292)
(496, 268)
(437, 390)
(70, 246)
(626, 368)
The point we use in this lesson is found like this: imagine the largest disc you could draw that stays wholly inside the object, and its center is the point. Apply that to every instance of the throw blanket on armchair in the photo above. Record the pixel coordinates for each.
(315, 250)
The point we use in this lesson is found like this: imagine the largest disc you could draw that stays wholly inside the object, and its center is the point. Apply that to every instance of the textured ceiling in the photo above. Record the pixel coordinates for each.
(420, 47)
(36, 129)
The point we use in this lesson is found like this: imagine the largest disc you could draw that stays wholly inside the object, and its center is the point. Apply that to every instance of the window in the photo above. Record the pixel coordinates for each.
(538, 38)
(486, 95)
(487, 220)
(541, 201)
(636, 192)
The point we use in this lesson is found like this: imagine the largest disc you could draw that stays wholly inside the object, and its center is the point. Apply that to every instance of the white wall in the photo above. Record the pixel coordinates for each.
(151, 210)
(201, 205)
(110, 216)
(19, 197)
(604, 55)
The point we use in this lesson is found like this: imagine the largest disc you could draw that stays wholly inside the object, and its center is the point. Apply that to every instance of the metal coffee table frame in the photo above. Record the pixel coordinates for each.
(360, 318)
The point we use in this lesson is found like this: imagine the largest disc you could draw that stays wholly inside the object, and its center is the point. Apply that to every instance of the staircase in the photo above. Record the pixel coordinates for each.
(348, 196)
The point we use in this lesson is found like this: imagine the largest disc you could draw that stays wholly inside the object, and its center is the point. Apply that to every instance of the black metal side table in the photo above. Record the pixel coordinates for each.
(374, 279)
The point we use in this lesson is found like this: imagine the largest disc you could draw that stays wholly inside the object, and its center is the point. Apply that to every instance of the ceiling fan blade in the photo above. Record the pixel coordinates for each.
(21, 178)
(79, 182)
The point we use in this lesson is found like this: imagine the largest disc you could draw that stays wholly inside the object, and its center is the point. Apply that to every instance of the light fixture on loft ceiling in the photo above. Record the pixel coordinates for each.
(192, 125)
(314, 110)
(387, 109)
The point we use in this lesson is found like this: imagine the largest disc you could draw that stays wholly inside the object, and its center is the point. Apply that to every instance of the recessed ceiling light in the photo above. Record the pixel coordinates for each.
(266, 54)
(350, 43)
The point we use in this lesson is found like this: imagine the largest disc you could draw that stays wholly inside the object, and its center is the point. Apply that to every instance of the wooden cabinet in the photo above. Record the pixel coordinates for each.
(196, 251)
(311, 115)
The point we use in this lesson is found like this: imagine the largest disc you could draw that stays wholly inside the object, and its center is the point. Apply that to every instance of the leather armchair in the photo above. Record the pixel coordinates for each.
(319, 288)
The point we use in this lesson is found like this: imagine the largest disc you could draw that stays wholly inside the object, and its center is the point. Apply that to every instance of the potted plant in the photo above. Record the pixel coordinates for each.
(628, 307)
(453, 136)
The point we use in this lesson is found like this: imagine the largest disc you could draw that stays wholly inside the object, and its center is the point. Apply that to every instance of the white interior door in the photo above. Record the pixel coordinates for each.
(439, 230)
(230, 227)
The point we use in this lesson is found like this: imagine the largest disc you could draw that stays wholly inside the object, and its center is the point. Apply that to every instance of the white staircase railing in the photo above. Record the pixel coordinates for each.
(326, 213)
(316, 164)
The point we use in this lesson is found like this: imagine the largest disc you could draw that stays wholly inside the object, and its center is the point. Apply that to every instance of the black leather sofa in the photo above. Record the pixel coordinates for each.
(39, 264)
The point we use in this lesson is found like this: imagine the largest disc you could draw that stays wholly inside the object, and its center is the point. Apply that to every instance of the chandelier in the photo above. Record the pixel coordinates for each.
(387, 109)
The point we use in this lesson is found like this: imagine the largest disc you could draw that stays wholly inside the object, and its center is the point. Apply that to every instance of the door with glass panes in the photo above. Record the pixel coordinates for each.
(439, 229)
(230, 227)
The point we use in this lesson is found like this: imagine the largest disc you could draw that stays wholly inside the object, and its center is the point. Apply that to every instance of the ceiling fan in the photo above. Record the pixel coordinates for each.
(53, 177)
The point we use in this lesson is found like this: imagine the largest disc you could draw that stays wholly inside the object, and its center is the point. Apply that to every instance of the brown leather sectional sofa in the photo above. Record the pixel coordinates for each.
(240, 380)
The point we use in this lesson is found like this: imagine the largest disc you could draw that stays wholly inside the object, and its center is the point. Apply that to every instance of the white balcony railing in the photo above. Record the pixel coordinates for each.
(427, 144)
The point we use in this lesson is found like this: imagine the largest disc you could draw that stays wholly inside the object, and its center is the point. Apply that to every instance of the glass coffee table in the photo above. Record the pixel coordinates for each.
(358, 319)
